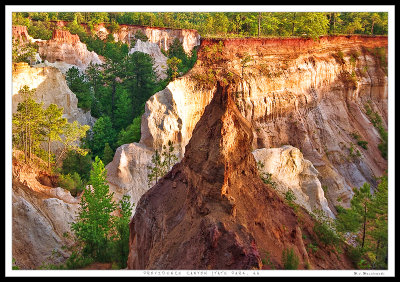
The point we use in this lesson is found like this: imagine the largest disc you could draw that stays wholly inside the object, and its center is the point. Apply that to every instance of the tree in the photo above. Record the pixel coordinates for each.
(121, 239)
(81, 88)
(161, 163)
(169, 157)
(312, 24)
(103, 235)
(94, 221)
(23, 51)
(108, 154)
(367, 220)
(102, 133)
(378, 232)
(73, 133)
(123, 109)
(176, 50)
(140, 79)
(27, 122)
(75, 162)
(173, 65)
(131, 133)
(53, 124)
(156, 169)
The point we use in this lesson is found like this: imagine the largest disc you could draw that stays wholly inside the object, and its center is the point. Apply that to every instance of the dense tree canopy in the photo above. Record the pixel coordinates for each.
(220, 23)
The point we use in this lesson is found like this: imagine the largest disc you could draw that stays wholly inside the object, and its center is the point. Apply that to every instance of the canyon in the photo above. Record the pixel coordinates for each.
(212, 211)
(309, 94)
(293, 104)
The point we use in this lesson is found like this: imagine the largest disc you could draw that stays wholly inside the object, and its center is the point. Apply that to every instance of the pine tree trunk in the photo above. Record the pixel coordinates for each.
(364, 226)
(48, 152)
(372, 27)
(30, 144)
(294, 17)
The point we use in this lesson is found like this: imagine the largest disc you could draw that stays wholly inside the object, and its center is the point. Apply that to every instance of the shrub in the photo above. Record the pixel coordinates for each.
(289, 196)
(72, 183)
(290, 259)
(265, 176)
(325, 230)
(362, 144)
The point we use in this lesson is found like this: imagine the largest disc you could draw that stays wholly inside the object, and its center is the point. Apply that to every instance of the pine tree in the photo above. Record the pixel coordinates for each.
(53, 124)
(102, 133)
(169, 157)
(28, 122)
(94, 222)
(156, 170)
(123, 109)
(161, 163)
(131, 133)
(173, 66)
(140, 80)
(108, 154)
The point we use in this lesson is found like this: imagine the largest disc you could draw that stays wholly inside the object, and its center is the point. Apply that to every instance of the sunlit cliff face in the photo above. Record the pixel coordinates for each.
(299, 92)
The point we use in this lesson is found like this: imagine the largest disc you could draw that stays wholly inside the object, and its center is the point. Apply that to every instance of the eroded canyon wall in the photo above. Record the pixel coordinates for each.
(212, 211)
(67, 48)
(51, 87)
(299, 92)
(161, 36)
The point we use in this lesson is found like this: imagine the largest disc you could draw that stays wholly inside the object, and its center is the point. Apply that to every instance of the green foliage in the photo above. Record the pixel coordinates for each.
(179, 61)
(120, 242)
(325, 229)
(173, 64)
(131, 133)
(376, 120)
(108, 154)
(73, 133)
(161, 163)
(102, 133)
(289, 259)
(140, 80)
(14, 267)
(289, 196)
(40, 30)
(313, 248)
(113, 26)
(229, 24)
(53, 124)
(76, 82)
(32, 124)
(94, 221)
(362, 144)
(169, 157)
(77, 163)
(123, 109)
(353, 152)
(23, 51)
(71, 182)
(156, 169)
(366, 219)
(266, 260)
(104, 237)
(265, 177)
(76, 261)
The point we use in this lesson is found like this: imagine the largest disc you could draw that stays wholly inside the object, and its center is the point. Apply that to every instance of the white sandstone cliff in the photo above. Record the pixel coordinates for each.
(290, 171)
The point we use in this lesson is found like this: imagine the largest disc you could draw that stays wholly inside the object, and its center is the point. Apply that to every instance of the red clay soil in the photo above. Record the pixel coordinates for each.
(212, 211)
